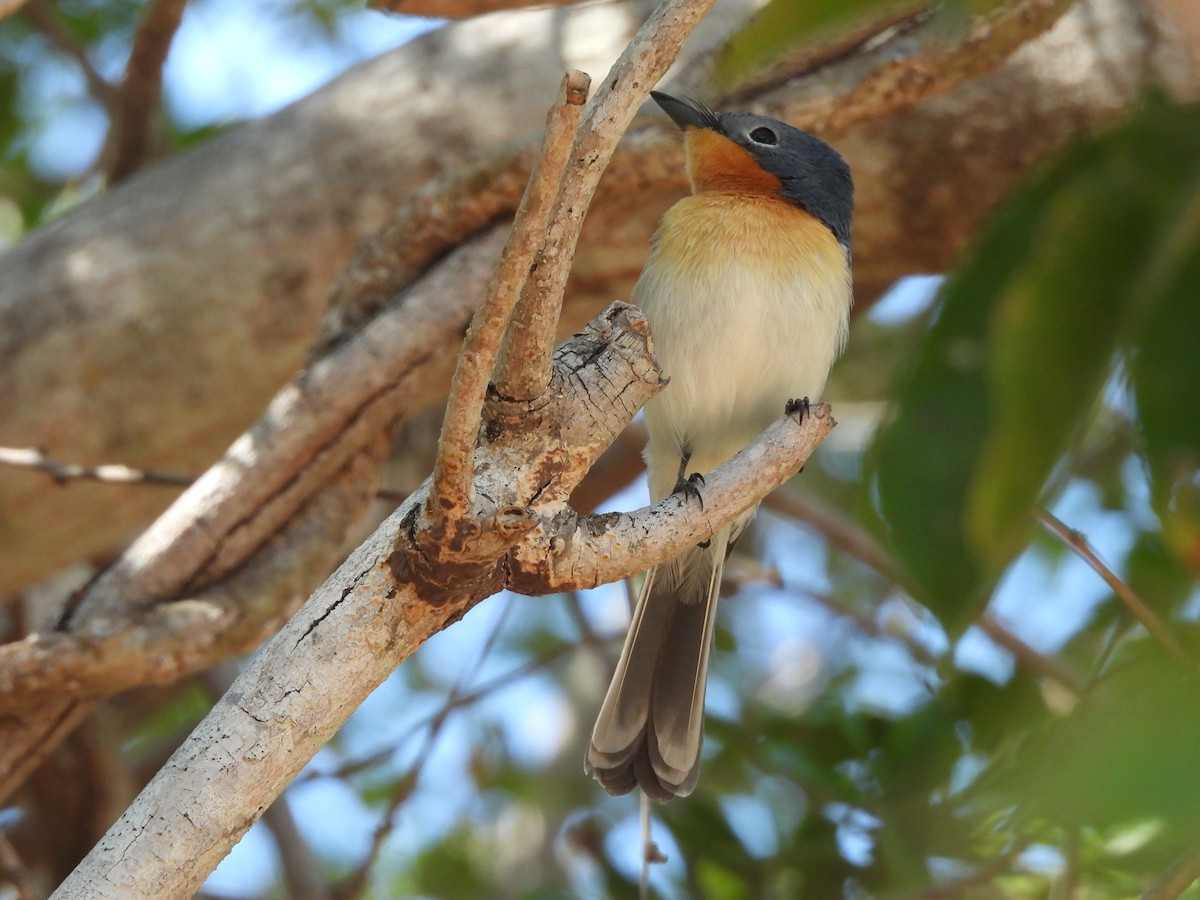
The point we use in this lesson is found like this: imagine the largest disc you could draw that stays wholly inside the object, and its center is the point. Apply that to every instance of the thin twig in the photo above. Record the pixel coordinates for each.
(1078, 542)
(45, 20)
(841, 533)
(454, 471)
(459, 9)
(137, 98)
(644, 62)
(1027, 656)
(32, 458)
(513, 378)
(457, 699)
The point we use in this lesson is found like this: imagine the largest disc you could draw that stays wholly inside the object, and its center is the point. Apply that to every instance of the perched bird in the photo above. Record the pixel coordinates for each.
(747, 291)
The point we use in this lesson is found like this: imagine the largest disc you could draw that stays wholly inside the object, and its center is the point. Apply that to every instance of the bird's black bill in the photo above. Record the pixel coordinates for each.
(687, 113)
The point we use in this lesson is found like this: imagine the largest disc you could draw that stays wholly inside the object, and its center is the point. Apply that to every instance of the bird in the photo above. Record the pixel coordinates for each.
(747, 290)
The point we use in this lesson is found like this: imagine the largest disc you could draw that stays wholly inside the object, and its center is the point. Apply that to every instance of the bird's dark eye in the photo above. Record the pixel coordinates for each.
(764, 135)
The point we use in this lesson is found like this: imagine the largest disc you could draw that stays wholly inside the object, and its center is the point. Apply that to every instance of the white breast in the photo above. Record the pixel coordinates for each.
(748, 300)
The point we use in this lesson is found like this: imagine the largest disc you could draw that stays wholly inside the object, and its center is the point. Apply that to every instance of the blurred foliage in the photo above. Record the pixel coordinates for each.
(1078, 273)
(863, 740)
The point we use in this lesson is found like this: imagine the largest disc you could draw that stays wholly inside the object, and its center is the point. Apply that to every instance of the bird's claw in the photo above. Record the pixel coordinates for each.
(690, 487)
(801, 409)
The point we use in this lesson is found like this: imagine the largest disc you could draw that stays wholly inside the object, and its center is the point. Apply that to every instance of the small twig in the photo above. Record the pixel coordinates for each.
(46, 21)
(136, 100)
(1078, 542)
(458, 699)
(514, 380)
(454, 470)
(841, 533)
(643, 64)
(459, 9)
(32, 458)
(1027, 656)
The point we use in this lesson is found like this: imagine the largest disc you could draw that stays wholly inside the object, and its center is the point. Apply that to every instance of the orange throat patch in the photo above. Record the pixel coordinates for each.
(715, 163)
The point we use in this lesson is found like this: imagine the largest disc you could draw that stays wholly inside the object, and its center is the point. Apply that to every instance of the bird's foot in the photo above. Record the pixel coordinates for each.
(690, 487)
(800, 409)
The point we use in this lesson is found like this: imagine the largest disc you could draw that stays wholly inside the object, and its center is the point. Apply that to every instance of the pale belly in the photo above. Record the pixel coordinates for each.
(746, 312)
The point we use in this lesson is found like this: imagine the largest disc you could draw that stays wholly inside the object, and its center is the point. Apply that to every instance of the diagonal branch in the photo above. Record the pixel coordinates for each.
(33, 458)
(458, 9)
(44, 19)
(1078, 542)
(136, 100)
(454, 470)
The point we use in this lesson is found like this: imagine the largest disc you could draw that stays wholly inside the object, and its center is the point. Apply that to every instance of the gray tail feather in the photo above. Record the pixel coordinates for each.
(651, 726)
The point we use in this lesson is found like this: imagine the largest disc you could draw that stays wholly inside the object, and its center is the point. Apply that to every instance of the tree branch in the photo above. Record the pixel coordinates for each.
(459, 9)
(516, 375)
(61, 473)
(258, 222)
(136, 100)
(1078, 542)
(454, 470)
(644, 62)
(383, 603)
(41, 14)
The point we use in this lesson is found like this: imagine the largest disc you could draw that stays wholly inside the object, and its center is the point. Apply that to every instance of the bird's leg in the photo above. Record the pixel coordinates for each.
(688, 485)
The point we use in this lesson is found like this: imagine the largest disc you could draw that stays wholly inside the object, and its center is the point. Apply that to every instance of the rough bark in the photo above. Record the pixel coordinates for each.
(150, 325)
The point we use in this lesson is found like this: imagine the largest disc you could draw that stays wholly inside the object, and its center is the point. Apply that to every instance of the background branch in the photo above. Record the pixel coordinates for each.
(135, 102)
(61, 473)
(43, 17)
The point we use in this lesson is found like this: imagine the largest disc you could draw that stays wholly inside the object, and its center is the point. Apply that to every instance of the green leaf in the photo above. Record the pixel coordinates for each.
(1026, 337)
(1166, 372)
(1126, 754)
